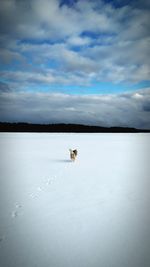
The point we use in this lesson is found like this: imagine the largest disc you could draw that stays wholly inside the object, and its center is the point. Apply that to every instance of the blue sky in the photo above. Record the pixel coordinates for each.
(73, 48)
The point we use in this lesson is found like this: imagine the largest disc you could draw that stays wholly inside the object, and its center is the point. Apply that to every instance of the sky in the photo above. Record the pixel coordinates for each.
(75, 61)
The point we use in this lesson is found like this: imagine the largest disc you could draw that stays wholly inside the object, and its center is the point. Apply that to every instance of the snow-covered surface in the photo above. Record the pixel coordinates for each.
(94, 212)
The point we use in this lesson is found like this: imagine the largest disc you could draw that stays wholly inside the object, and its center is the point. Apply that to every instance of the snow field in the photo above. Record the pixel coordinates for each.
(88, 213)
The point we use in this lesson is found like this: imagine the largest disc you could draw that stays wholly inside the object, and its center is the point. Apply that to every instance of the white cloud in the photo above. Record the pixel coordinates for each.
(79, 41)
(117, 51)
(20, 79)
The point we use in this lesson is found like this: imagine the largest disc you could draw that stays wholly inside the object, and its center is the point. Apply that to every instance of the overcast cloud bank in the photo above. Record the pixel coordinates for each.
(127, 109)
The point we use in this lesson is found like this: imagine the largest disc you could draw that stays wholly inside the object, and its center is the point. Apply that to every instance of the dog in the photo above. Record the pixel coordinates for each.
(73, 154)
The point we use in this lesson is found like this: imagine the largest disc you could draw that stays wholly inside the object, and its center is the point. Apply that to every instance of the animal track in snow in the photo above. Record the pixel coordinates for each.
(14, 214)
(16, 211)
(18, 206)
(33, 195)
(49, 181)
(39, 189)
(2, 238)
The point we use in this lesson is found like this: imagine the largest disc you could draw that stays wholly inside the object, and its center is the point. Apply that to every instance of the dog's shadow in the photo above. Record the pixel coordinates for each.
(62, 160)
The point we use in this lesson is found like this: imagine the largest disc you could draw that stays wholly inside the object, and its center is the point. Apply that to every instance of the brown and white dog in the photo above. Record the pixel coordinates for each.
(73, 154)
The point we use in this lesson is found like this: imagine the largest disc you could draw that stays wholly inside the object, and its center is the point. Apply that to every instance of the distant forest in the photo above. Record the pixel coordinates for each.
(64, 128)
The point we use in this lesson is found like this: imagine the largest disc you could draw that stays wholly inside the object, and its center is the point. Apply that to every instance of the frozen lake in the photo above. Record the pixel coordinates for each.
(94, 212)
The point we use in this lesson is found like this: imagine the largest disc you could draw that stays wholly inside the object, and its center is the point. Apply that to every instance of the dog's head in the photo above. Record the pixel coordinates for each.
(73, 154)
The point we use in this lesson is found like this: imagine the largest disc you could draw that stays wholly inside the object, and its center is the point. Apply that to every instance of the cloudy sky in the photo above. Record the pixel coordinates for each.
(75, 61)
